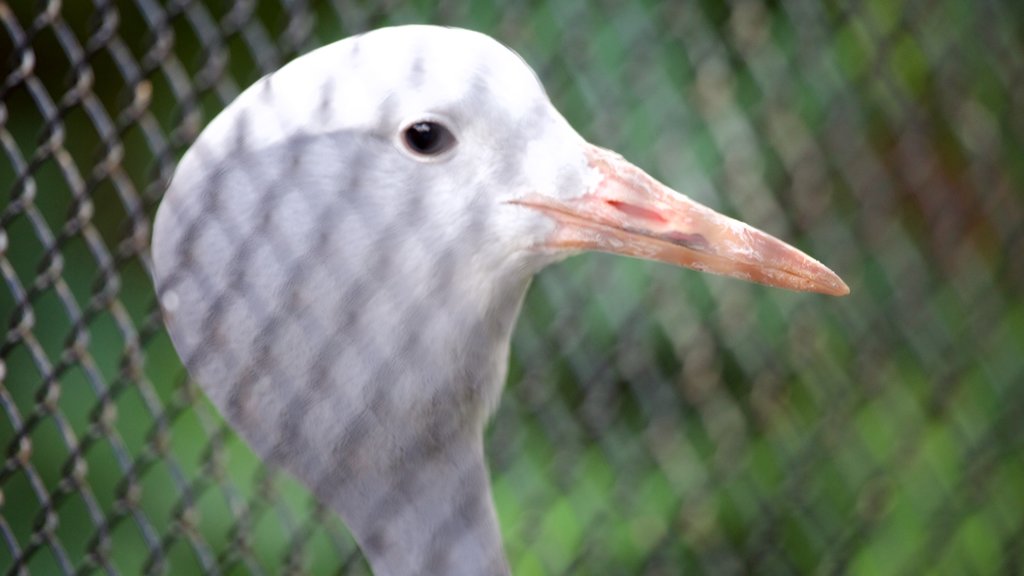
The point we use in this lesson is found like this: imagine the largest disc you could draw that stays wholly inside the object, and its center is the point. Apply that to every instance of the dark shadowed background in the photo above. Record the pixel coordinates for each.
(656, 420)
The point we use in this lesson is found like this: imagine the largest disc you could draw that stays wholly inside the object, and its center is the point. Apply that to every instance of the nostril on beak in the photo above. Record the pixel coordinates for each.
(635, 211)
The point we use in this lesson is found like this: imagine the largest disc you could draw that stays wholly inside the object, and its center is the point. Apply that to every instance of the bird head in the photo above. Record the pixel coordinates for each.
(460, 143)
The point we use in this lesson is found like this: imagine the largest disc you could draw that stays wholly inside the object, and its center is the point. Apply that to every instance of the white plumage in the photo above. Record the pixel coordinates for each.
(343, 252)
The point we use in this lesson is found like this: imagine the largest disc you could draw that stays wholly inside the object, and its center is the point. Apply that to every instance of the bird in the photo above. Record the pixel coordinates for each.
(341, 254)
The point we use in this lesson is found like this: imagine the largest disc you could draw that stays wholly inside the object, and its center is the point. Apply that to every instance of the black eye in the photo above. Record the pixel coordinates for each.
(428, 138)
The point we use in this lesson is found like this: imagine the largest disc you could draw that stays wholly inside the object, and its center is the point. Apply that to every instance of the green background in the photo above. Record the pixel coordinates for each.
(656, 420)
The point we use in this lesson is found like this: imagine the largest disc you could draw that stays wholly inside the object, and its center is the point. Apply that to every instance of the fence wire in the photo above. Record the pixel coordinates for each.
(655, 421)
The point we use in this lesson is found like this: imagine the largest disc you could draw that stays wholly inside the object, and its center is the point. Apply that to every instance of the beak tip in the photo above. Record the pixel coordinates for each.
(833, 285)
(842, 290)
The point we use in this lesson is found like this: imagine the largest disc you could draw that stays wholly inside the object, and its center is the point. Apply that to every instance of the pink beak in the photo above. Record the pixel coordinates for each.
(628, 212)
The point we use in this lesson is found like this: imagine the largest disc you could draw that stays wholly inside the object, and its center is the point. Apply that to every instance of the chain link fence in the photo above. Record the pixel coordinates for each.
(656, 421)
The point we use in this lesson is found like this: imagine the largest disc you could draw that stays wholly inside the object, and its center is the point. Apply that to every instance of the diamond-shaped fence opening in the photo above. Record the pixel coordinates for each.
(655, 421)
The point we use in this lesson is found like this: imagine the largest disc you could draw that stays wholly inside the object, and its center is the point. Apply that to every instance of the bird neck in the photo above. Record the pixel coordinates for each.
(412, 482)
(428, 514)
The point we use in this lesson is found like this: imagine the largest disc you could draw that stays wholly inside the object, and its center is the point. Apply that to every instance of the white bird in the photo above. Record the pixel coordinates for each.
(342, 254)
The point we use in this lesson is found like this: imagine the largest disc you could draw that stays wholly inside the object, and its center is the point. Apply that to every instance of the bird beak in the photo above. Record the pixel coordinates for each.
(626, 211)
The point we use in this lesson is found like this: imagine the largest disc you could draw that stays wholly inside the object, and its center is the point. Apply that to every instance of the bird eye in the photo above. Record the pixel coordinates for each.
(428, 138)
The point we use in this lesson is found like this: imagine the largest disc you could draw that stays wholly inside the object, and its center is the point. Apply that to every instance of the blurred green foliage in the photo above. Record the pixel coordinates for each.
(656, 420)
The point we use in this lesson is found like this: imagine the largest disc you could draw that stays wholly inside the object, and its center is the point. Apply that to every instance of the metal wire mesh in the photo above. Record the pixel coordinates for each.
(655, 420)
